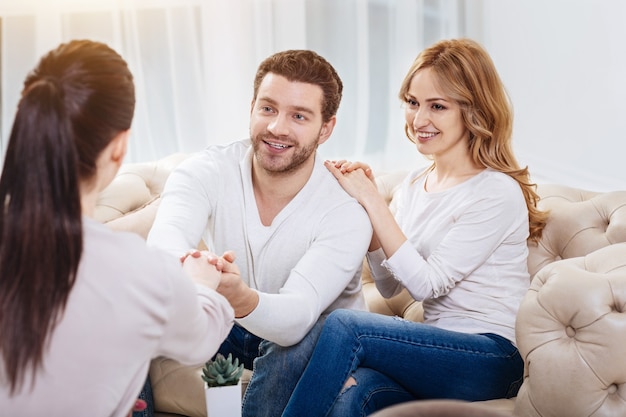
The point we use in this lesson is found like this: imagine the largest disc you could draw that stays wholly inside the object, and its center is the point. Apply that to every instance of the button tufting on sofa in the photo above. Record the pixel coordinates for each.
(572, 333)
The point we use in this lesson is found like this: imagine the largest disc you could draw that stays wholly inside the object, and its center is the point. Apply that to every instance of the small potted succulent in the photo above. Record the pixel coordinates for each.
(222, 386)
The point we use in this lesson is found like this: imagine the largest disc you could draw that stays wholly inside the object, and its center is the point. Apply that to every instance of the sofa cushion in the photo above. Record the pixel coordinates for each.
(177, 388)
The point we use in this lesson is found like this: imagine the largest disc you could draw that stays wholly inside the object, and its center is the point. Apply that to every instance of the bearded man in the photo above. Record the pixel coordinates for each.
(290, 239)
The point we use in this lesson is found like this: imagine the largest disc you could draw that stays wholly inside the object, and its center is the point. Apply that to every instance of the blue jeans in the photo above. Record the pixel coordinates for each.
(276, 369)
(394, 360)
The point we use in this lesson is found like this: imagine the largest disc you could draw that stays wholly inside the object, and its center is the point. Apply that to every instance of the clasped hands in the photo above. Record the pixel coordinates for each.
(221, 274)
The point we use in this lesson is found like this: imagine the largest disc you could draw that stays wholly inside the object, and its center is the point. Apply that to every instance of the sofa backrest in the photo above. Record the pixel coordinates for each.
(580, 222)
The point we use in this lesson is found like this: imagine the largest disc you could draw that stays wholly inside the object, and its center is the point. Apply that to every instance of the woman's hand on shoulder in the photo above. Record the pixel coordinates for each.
(345, 166)
(356, 178)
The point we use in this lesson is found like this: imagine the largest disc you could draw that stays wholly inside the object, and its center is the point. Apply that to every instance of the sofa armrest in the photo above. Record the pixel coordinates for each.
(571, 332)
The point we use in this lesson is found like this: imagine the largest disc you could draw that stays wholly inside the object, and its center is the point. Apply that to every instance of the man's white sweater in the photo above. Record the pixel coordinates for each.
(306, 263)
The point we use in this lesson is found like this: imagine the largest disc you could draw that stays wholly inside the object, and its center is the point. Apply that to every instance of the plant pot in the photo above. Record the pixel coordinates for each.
(223, 401)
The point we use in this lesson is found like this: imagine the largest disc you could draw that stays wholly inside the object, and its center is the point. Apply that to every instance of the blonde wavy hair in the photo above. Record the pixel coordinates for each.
(465, 72)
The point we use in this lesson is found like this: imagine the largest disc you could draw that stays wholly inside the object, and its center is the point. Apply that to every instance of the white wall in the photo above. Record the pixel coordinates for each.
(564, 65)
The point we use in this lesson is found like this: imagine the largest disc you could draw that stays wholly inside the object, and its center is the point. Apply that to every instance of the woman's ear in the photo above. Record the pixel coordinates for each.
(110, 159)
(119, 146)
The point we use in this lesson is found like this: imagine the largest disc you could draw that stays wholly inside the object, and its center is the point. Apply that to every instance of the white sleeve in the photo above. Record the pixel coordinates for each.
(183, 211)
(476, 234)
(386, 283)
(317, 280)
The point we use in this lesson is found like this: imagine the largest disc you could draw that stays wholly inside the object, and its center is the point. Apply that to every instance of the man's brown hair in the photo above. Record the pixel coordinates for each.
(305, 66)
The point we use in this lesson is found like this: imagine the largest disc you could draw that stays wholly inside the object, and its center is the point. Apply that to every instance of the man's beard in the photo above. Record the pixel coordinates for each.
(279, 164)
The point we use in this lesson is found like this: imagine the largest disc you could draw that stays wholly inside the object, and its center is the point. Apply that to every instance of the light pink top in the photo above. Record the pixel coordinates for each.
(129, 305)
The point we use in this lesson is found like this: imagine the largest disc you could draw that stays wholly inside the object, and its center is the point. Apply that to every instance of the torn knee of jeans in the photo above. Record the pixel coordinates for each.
(350, 382)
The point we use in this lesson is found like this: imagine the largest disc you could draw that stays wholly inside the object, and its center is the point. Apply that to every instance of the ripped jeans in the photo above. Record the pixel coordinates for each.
(394, 360)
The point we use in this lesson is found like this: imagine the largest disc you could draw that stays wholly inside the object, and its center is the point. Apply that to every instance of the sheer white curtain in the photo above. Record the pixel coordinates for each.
(194, 61)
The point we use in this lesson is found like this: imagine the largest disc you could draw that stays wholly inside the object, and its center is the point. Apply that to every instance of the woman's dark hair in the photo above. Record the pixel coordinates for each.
(305, 66)
(77, 99)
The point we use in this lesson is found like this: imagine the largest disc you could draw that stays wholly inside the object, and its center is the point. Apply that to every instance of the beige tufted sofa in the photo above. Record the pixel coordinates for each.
(571, 327)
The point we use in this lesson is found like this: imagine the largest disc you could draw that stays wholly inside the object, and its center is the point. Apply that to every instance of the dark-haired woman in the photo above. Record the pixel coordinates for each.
(83, 310)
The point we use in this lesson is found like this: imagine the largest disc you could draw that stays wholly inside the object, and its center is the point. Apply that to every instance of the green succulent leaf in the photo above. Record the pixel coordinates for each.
(222, 371)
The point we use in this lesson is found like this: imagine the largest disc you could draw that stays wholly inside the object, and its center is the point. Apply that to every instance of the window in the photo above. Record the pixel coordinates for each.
(194, 62)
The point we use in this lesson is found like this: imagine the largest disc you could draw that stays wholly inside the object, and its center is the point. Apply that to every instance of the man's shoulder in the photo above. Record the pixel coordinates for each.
(330, 194)
(328, 185)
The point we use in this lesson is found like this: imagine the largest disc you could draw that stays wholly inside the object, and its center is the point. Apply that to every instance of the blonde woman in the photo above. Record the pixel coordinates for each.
(458, 241)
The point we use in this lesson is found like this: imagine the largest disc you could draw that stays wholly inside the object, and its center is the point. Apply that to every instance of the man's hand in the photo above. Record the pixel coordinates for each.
(242, 298)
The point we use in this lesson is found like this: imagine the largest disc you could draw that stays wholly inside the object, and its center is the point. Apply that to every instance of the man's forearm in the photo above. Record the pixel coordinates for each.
(242, 298)
(246, 304)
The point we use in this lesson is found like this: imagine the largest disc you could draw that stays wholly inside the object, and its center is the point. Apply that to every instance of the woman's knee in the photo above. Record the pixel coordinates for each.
(342, 319)
(367, 391)
(349, 382)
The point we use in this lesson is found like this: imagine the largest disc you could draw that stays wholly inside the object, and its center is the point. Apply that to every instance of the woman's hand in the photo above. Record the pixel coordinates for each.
(211, 258)
(203, 267)
(228, 282)
(356, 178)
(348, 166)
(358, 181)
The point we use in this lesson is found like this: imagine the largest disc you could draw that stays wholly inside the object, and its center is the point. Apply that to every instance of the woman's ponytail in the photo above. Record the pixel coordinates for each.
(77, 99)
(40, 225)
